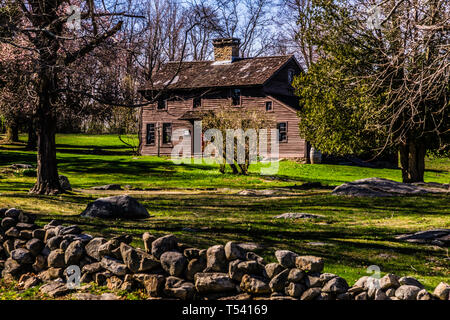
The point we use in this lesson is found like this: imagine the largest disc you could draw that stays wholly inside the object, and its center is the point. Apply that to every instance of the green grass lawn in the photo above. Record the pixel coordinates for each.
(353, 234)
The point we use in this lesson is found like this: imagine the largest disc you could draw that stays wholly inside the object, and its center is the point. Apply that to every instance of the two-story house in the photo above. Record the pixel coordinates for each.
(185, 88)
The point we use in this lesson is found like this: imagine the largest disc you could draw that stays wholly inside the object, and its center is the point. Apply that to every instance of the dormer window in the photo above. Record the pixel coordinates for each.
(197, 102)
(236, 97)
(291, 74)
(162, 104)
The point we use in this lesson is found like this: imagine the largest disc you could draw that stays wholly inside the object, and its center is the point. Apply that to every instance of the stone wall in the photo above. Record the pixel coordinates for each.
(168, 269)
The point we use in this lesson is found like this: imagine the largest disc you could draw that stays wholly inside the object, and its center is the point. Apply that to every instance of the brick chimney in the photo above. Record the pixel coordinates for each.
(226, 49)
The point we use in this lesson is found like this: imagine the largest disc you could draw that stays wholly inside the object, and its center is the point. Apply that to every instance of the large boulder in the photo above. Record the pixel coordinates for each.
(377, 187)
(116, 207)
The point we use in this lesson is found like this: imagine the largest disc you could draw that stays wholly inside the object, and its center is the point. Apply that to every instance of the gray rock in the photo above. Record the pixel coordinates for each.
(213, 282)
(12, 232)
(173, 262)
(344, 296)
(54, 242)
(255, 257)
(109, 249)
(116, 207)
(309, 263)
(424, 295)
(114, 283)
(325, 277)
(310, 294)
(195, 266)
(30, 282)
(91, 296)
(272, 269)
(39, 234)
(297, 215)
(148, 239)
(442, 291)
(295, 275)
(11, 269)
(238, 268)
(286, 258)
(254, 285)
(216, 259)
(336, 285)
(178, 288)
(56, 259)
(390, 292)
(356, 290)
(163, 244)
(137, 260)
(108, 187)
(407, 292)
(13, 213)
(39, 264)
(234, 251)
(22, 256)
(64, 244)
(75, 251)
(113, 265)
(55, 289)
(439, 237)
(128, 254)
(278, 282)
(92, 268)
(64, 182)
(313, 280)
(154, 284)
(377, 187)
(295, 289)
(389, 281)
(410, 281)
(70, 230)
(380, 295)
(93, 246)
(191, 253)
(8, 223)
(362, 296)
(325, 296)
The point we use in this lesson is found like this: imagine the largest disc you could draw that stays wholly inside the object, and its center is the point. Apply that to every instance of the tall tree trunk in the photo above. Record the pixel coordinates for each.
(412, 159)
(32, 136)
(12, 132)
(47, 169)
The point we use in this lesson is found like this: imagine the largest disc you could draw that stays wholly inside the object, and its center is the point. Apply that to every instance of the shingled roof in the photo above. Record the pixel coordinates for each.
(210, 74)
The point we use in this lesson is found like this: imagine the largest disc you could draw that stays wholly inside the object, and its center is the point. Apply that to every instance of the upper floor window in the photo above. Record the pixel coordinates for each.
(269, 106)
(167, 133)
(282, 131)
(197, 102)
(162, 104)
(291, 74)
(236, 97)
(150, 137)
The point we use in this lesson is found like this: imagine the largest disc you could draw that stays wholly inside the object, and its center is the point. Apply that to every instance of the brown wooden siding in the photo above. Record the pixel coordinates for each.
(295, 147)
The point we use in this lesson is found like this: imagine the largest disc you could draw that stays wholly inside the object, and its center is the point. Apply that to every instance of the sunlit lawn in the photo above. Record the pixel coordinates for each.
(353, 233)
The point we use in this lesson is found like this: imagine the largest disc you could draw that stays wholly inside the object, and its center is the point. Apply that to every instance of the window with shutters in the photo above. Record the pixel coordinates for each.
(282, 131)
(150, 136)
(167, 133)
